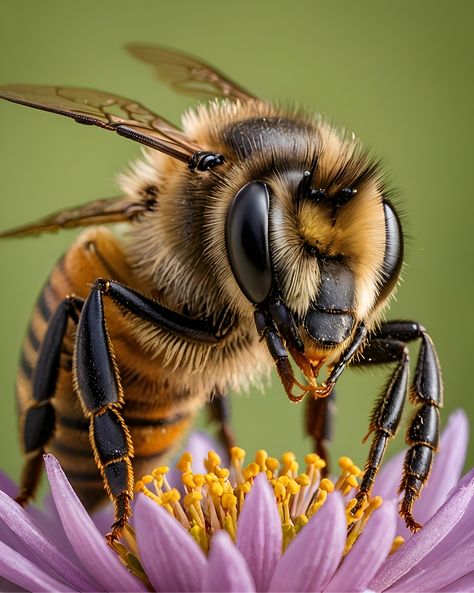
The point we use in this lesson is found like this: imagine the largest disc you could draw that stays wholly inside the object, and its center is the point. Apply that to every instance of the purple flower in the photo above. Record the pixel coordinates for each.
(272, 529)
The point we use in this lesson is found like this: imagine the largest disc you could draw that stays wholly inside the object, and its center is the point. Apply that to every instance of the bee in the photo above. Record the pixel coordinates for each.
(257, 235)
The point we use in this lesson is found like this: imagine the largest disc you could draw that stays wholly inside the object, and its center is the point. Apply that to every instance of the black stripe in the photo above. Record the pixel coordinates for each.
(83, 424)
(83, 476)
(25, 366)
(74, 423)
(168, 421)
(159, 453)
(35, 343)
(55, 292)
(76, 452)
(63, 448)
(43, 306)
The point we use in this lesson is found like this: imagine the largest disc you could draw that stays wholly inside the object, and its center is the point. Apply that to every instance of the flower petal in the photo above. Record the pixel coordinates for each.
(21, 571)
(7, 485)
(369, 551)
(428, 538)
(88, 544)
(387, 482)
(171, 558)
(466, 583)
(447, 468)
(451, 559)
(314, 555)
(226, 570)
(439, 573)
(259, 535)
(18, 520)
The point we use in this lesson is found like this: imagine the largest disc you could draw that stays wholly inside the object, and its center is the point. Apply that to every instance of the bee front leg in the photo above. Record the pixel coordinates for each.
(278, 352)
(38, 420)
(389, 345)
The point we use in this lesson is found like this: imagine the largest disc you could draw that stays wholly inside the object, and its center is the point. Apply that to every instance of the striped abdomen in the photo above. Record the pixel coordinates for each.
(157, 408)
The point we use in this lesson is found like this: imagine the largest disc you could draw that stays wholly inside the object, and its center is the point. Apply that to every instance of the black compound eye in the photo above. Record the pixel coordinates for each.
(246, 234)
(393, 257)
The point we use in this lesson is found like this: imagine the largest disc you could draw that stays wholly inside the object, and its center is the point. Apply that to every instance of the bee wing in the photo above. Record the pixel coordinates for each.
(186, 74)
(111, 112)
(104, 211)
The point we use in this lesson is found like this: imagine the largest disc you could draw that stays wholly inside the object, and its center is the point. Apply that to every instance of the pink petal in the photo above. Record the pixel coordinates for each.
(90, 547)
(447, 468)
(171, 558)
(466, 583)
(314, 555)
(423, 542)
(25, 529)
(259, 535)
(227, 570)
(369, 552)
(451, 559)
(7, 485)
(439, 573)
(21, 571)
(387, 482)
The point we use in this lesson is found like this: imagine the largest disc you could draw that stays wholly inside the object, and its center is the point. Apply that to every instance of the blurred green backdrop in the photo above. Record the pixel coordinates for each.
(398, 74)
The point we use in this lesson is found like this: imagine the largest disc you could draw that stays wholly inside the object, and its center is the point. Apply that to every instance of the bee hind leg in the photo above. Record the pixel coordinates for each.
(38, 420)
(220, 411)
(318, 421)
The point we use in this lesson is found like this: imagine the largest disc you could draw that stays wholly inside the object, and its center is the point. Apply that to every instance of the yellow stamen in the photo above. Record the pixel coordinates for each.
(397, 542)
(214, 500)
(199, 534)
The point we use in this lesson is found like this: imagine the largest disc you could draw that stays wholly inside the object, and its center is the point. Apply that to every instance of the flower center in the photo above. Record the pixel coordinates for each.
(213, 501)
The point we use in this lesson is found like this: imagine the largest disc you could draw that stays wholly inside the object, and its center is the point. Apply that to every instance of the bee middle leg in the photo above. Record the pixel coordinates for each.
(220, 412)
(38, 419)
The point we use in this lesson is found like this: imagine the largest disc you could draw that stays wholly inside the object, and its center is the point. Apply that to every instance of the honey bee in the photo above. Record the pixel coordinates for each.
(257, 235)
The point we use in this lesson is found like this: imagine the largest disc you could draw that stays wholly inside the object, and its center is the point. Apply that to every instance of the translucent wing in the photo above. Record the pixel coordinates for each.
(186, 74)
(111, 112)
(107, 210)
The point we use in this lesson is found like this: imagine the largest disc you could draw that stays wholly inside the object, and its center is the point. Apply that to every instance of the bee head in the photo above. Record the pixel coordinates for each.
(331, 251)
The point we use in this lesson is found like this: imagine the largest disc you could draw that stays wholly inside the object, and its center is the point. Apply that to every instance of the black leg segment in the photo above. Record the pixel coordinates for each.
(319, 417)
(97, 383)
(220, 412)
(38, 420)
(387, 345)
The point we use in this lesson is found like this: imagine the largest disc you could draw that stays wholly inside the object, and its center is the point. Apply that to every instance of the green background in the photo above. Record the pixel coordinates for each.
(399, 74)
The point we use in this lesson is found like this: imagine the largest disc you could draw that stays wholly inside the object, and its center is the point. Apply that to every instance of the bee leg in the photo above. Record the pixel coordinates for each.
(388, 409)
(97, 383)
(347, 356)
(388, 345)
(278, 352)
(38, 420)
(423, 432)
(219, 411)
(287, 328)
(319, 416)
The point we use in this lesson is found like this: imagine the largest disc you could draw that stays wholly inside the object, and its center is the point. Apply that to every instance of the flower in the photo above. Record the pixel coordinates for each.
(319, 553)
